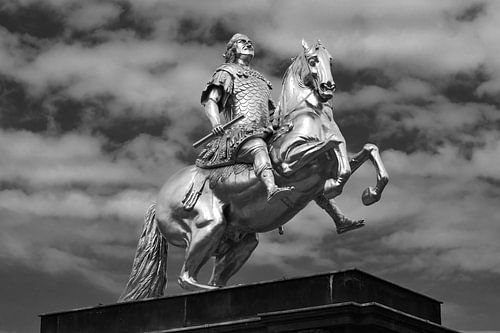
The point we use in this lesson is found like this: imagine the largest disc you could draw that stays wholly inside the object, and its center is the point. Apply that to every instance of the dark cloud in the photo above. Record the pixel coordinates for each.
(199, 30)
(100, 103)
(36, 19)
(352, 79)
(125, 128)
(271, 62)
(19, 109)
(462, 86)
(56, 113)
(131, 20)
(472, 12)
(21, 315)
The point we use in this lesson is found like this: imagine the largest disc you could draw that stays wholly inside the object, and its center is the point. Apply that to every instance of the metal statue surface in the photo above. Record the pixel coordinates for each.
(250, 179)
(238, 90)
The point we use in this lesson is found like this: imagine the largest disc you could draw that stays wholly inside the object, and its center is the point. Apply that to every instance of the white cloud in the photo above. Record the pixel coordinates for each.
(448, 162)
(435, 218)
(438, 215)
(43, 160)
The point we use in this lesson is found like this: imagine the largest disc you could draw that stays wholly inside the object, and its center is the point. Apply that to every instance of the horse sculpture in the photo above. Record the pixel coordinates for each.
(221, 219)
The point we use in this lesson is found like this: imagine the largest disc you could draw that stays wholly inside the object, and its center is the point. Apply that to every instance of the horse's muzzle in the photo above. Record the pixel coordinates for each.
(328, 87)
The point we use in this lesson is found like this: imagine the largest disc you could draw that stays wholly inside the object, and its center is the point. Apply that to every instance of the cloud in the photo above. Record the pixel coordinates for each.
(436, 217)
(100, 104)
(40, 160)
(92, 16)
(68, 232)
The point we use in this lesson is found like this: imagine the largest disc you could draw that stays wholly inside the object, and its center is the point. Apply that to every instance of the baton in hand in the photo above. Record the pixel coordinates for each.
(211, 135)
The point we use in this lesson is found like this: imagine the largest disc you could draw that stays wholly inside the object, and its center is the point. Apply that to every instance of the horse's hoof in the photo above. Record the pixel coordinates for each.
(350, 225)
(279, 192)
(190, 284)
(370, 196)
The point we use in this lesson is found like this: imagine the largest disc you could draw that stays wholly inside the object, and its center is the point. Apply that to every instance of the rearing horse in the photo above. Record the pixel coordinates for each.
(222, 219)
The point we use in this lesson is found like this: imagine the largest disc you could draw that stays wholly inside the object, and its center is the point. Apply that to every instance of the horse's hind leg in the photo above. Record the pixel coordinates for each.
(232, 257)
(207, 232)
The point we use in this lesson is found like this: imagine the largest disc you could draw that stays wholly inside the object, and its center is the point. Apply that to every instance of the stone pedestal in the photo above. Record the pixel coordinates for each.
(344, 301)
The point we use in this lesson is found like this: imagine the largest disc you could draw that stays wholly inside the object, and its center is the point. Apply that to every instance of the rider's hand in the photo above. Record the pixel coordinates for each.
(218, 130)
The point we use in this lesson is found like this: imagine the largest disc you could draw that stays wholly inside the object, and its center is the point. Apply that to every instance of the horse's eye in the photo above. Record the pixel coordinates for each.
(312, 62)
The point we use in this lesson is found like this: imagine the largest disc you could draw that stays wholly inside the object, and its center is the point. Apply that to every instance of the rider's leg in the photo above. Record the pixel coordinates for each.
(229, 262)
(256, 149)
(342, 223)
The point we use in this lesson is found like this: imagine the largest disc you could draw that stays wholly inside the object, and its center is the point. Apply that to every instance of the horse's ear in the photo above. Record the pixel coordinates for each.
(319, 42)
(305, 46)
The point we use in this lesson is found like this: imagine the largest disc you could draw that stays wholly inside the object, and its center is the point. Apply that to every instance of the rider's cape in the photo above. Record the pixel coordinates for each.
(247, 92)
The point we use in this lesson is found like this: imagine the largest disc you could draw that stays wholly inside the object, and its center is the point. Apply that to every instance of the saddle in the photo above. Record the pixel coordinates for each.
(214, 176)
(219, 159)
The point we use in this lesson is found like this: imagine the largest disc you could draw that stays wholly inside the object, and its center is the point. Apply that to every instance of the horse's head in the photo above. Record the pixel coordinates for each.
(320, 74)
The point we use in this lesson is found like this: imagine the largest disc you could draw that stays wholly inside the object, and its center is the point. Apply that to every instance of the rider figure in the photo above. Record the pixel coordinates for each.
(236, 89)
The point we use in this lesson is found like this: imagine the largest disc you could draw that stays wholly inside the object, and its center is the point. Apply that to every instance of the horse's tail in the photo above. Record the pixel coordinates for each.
(149, 271)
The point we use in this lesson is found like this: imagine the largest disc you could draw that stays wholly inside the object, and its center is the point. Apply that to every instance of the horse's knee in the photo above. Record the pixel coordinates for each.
(370, 147)
(344, 175)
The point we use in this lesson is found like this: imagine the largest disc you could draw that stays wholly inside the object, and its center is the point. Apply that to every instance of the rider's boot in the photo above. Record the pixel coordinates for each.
(273, 191)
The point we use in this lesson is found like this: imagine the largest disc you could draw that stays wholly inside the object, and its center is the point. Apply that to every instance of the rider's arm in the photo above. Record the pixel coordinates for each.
(212, 109)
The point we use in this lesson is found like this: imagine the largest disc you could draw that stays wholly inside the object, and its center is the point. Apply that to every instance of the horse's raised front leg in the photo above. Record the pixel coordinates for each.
(233, 255)
(371, 194)
(336, 185)
(207, 232)
(297, 151)
(305, 142)
(342, 223)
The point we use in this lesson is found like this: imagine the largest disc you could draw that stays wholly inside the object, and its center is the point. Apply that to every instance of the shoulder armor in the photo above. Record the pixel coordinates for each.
(236, 71)
(232, 69)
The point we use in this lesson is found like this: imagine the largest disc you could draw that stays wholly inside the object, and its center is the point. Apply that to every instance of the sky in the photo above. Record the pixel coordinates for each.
(99, 104)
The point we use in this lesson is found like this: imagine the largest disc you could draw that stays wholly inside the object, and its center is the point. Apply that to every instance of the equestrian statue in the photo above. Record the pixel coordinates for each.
(260, 166)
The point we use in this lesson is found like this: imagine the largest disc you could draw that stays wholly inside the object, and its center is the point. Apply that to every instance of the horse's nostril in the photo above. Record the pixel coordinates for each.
(327, 86)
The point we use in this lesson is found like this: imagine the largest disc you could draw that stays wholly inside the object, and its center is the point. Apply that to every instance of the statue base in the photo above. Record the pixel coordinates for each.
(344, 301)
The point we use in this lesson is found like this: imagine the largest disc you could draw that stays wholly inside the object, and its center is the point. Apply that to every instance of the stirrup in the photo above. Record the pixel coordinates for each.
(350, 225)
(278, 192)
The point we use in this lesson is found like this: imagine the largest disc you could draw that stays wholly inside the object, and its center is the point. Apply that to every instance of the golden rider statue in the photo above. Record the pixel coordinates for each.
(236, 89)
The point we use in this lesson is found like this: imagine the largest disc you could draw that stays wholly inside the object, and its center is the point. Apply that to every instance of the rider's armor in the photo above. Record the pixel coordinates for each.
(251, 92)
(246, 92)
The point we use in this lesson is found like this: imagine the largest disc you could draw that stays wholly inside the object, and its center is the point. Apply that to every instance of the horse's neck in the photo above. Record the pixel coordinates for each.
(295, 95)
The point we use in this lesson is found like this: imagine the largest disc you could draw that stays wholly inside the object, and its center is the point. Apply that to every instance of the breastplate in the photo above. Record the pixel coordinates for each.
(250, 98)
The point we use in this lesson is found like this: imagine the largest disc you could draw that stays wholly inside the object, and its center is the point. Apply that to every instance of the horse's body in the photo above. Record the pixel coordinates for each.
(308, 153)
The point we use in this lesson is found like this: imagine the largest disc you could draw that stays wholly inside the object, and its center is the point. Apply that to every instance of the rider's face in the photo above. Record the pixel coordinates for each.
(244, 46)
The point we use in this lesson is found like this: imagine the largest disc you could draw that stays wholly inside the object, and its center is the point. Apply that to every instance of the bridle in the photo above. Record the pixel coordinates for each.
(301, 83)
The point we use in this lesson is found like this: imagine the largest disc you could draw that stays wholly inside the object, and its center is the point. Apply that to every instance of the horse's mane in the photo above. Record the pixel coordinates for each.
(297, 71)
(296, 68)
